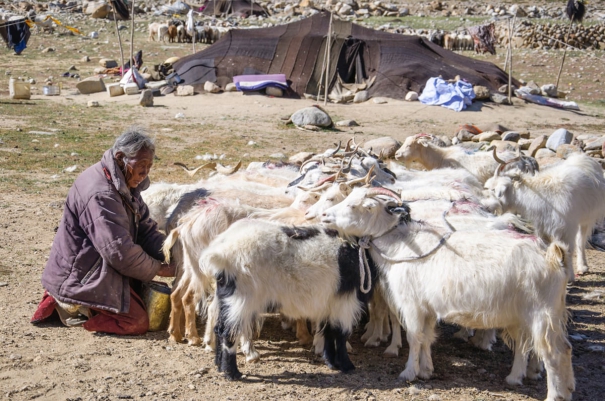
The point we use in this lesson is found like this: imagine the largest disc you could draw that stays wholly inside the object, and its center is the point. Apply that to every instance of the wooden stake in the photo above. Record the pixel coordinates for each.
(323, 69)
(564, 53)
(132, 35)
(511, 26)
(115, 20)
(328, 60)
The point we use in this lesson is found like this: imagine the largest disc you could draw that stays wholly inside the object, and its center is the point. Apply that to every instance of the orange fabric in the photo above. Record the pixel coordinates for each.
(134, 322)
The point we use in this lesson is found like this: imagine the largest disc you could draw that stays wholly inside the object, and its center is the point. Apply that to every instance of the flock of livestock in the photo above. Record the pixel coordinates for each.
(483, 240)
(174, 30)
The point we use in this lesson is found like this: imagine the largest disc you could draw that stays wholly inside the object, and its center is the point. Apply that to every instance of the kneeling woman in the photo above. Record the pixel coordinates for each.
(106, 244)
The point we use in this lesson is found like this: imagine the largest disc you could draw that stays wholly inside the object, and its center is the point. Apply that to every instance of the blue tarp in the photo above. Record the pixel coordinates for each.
(454, 96)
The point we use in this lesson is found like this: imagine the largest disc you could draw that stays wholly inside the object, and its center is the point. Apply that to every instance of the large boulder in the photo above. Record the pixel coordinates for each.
(311, 116)
(558, 138)
(91, 85)
(385, 145)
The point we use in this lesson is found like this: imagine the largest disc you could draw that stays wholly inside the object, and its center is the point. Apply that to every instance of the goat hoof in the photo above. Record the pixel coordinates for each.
(195, 341)
(425, 375)
(347, 366)
(253, 358)
(407, 375)
(514, 380)
(391, 353)
(233, 375)
(372, 343)
(534, 376)
(209, 348)
(175, 339)
(305, 340)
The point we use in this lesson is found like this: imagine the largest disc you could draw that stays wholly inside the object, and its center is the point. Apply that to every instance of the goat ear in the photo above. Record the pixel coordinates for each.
(344, 188)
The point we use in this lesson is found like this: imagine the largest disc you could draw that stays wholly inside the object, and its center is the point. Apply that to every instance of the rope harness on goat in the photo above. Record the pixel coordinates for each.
(366, 242)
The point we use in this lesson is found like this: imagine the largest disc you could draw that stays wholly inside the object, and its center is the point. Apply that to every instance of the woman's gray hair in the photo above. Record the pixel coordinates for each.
(132, 141)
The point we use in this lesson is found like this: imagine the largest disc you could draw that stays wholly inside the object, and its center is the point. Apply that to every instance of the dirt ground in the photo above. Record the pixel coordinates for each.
(57, 363)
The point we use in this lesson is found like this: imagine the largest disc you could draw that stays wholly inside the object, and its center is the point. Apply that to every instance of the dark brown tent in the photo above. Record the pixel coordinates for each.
(396, 63)
(241, 8)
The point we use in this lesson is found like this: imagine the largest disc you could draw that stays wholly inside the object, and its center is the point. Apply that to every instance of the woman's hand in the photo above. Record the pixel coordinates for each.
(167, 270)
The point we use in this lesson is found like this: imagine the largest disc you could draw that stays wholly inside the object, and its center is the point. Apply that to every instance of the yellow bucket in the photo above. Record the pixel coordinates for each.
(156, 296)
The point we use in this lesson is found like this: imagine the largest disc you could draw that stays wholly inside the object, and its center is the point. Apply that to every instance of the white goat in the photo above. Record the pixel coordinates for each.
(308, 272)
(563, 202)
(477, 279)
(419, 148)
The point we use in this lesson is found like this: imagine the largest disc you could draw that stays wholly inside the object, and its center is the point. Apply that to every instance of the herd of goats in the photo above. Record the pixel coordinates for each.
(483, 240)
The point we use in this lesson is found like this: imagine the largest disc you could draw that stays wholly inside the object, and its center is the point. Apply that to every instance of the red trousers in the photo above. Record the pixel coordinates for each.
(134, 322)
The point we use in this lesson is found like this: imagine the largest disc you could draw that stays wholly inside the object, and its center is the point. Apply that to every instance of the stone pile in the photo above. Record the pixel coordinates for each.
(553, 36)
(547, 149)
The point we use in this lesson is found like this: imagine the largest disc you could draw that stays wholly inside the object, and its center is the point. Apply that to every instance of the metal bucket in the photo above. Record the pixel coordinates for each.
(51, 90)
(156, 296)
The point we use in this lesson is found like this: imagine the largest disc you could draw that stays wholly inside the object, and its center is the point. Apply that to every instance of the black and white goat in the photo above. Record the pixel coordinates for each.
(307, 272)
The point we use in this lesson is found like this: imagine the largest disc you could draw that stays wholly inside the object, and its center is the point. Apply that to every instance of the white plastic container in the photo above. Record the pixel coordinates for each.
(131, 88)
(19, 89)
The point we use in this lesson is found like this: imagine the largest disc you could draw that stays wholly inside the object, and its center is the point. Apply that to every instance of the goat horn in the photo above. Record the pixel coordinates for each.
(375, 191)
(226, 170)
(337, 149)
(307, 162)
(365, 179)
(348, 147)
(316, 189)
(496, 158)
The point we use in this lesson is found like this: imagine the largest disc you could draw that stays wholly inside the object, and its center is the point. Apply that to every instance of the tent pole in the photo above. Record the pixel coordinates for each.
(115, 20)
(323, 70)
(132, 36)
(564, 53)
(328, 60)
(511, 26)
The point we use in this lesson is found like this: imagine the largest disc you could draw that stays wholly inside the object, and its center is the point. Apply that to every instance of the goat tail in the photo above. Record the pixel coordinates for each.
(169, 243)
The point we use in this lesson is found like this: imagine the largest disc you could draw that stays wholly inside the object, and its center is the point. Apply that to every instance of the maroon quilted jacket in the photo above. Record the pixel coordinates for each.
(100, 243)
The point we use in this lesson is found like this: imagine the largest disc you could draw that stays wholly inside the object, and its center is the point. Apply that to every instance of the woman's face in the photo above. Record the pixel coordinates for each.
(138, 167)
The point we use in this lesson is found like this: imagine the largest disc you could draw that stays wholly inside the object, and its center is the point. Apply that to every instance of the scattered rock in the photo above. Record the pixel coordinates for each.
(487, 136)
(311, 116)
(464, 136)
(524, 143)
(300, 157)
(48, 50)
(411, 96)
(347, 123)
(108, 63)
(211, 87)
(499, 99)
(380, 100)
(115, 90)
(594, 144)
(361, 97)
(179, 115)
(280, 156)
(502, 146)
(537, 143)
(544, 153)
(413, 390)
(85, 59)
(559, 137)
(230, 87)
(481, 92)
(511, 136)
(3, 284)
(549, 90)
(185, 90)
(146, 98)
(564, 150)
(93, 103)
(273, 91)
(91, 85)
(386, 146)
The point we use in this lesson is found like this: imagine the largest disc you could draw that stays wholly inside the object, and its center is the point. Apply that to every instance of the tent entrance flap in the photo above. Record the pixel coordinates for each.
(351, 66)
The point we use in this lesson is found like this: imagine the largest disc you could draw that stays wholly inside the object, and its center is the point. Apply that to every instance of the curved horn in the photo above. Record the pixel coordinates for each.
(226, 170)
(363, 179)
(307, 162)
(375, 191)
(496, 158)
(316, 189)
(348, 147)
(337, 149)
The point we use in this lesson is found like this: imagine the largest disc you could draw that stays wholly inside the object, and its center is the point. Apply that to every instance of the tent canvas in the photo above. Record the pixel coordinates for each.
(395, 64)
